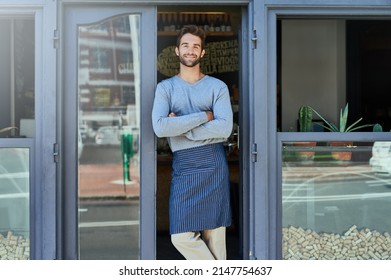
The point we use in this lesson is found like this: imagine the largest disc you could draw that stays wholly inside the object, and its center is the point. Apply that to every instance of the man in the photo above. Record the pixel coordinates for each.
(194, 112)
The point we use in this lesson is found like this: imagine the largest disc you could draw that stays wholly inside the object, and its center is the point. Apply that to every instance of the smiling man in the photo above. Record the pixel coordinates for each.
(193, 111)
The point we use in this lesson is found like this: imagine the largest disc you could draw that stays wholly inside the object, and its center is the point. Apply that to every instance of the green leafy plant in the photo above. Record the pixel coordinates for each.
(305, 119)
(305, 125)
(343, 118)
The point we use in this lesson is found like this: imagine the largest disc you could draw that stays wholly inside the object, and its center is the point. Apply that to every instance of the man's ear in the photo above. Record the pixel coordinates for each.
(176, 51)
(202, 53)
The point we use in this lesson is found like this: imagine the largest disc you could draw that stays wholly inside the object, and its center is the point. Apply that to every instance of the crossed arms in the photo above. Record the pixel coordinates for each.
(198, 126)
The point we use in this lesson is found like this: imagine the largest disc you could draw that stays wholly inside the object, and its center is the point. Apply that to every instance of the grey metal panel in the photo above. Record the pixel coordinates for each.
(272, 135)
(260, 171)
(46, 110)
(252, 64)
(335, 136)
(345, 9)
(244, 135)
(16, 143)
(148, 145)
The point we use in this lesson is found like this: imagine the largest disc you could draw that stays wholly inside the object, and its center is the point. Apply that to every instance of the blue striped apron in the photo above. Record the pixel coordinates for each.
(199, 191)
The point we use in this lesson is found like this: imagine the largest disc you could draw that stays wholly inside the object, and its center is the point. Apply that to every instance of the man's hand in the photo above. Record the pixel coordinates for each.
(210, 116)
(172, 114)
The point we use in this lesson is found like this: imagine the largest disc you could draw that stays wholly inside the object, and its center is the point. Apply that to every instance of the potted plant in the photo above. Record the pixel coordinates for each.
(343, 118)
(305, 125)
(342, 127)
(305, 118)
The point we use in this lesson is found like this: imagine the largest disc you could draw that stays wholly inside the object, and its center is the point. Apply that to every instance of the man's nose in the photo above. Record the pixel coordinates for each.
(190, 50)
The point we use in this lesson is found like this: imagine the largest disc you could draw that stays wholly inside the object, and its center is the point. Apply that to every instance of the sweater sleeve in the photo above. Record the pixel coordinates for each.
(221, 125)
(165, 126)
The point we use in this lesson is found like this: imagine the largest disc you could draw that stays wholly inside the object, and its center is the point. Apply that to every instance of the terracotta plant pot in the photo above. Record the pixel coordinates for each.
(305, 156)
(341, 156)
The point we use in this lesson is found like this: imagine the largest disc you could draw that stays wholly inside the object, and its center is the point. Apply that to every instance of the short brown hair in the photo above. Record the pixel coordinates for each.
(194, 30)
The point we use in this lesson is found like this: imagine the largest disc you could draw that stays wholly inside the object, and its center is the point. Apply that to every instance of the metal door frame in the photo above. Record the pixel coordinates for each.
(66, 198)
(71, 15)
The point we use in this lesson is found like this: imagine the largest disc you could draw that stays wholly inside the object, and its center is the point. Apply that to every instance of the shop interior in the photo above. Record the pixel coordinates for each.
(222, 26)
(328, 63)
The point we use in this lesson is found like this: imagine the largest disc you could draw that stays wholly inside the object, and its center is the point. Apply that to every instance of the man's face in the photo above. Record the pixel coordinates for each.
(189, 50)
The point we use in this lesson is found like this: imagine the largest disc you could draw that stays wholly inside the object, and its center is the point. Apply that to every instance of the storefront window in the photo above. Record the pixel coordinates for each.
(329, 63)
(17, 94)
(14, 204)
(109, 122)
(336, 200)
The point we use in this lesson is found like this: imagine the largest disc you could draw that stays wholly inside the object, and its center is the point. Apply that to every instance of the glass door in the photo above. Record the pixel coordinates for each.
(106, 118)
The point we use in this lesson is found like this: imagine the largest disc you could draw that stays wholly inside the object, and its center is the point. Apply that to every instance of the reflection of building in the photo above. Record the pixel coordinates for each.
(106, 73)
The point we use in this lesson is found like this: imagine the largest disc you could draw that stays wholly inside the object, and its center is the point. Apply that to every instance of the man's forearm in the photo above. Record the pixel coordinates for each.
(218, 128)
(178, 125)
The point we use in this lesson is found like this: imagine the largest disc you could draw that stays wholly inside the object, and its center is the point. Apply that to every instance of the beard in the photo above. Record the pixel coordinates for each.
(189, 63)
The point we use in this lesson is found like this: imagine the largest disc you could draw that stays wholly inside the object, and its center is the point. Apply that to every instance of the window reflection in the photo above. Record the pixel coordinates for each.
(14, 204)
(336, 208)
(109, 122)
(17, 94)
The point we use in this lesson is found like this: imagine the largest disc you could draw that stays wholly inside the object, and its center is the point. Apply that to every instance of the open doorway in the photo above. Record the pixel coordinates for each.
(222, 60)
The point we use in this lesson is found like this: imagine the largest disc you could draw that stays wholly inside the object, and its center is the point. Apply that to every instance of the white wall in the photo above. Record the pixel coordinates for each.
(313, 68)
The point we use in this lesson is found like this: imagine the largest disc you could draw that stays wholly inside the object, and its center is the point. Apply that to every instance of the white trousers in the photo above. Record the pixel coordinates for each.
(201, 245)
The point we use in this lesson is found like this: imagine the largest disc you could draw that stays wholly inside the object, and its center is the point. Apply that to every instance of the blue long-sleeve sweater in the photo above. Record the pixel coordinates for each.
(191, 128)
